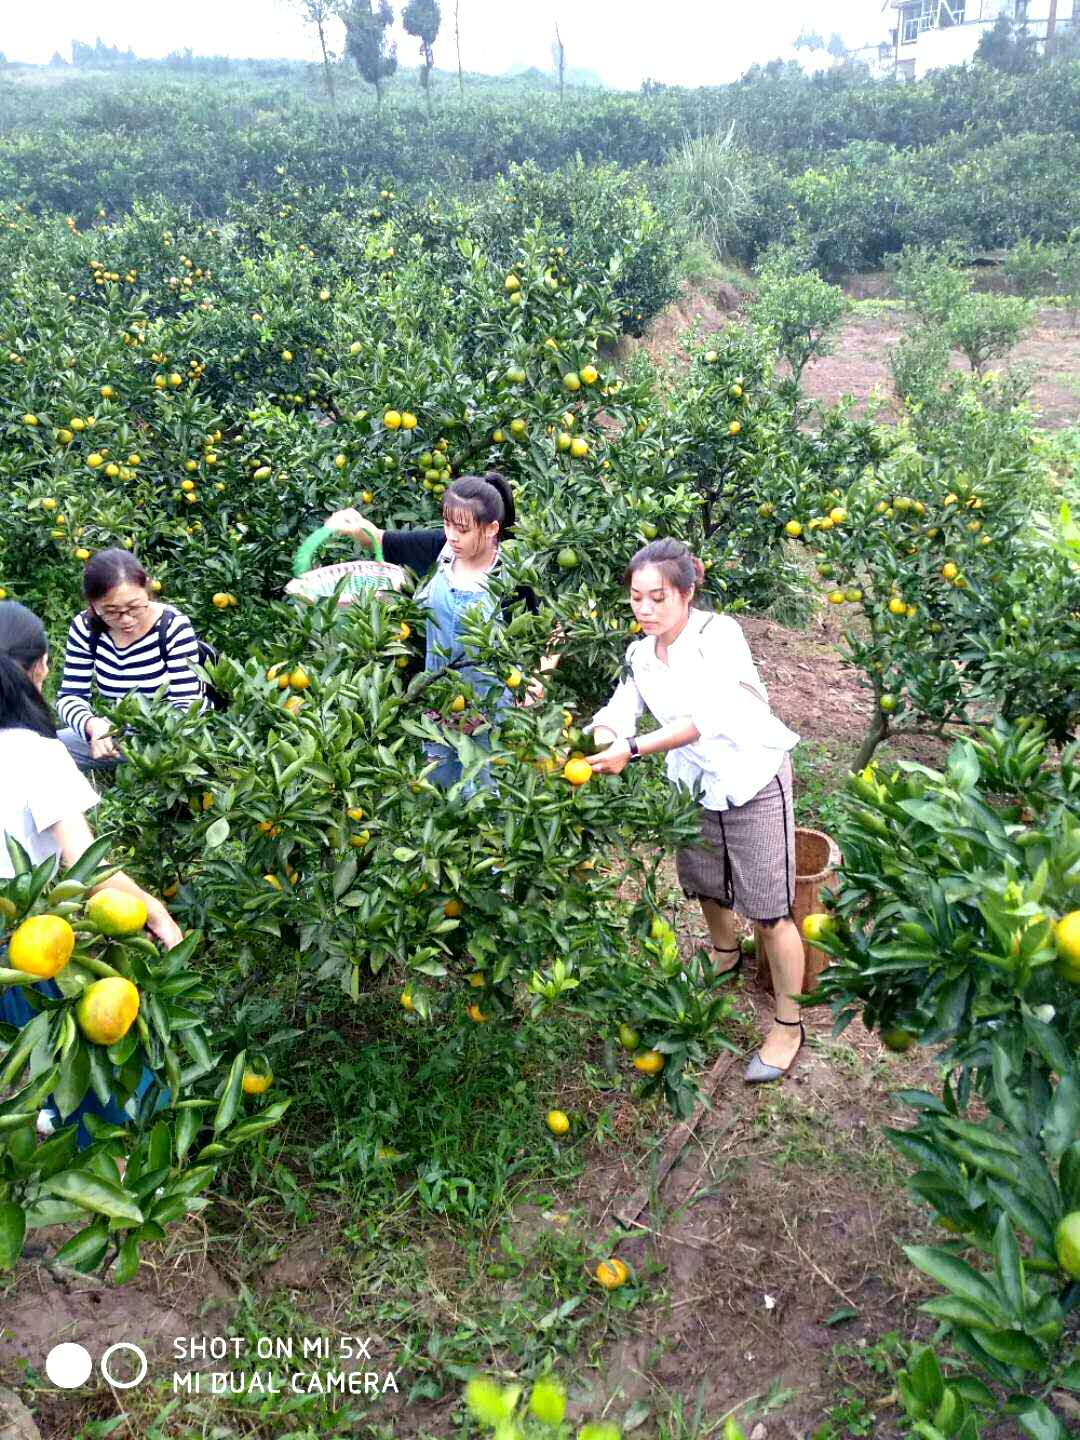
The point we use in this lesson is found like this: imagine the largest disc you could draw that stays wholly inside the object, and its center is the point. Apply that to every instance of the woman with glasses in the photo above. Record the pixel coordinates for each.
(123, 641)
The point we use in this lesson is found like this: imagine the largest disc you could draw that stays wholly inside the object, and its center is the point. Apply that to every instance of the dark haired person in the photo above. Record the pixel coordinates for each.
(693, 671)
(458, 560)
(43, 805)
(124, 640)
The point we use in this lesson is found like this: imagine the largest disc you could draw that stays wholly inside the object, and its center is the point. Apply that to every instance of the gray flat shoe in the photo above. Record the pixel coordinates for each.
(758, 1073)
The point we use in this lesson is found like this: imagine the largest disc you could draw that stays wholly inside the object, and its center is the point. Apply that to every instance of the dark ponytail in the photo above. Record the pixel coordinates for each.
(483, 499)
(678, 565)
(22, 644)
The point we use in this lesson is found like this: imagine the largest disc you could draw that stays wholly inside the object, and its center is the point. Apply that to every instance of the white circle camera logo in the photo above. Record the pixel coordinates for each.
(70, 1365)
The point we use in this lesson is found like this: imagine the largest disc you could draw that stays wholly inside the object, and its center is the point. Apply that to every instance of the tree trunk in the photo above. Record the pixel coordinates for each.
(879, 728)
(326, 69)
(457, 42)
(1051, 30)
(562, 60)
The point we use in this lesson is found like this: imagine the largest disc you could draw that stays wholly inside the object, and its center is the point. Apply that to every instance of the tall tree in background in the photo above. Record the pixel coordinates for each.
(558, 54)
(365, 41)
(421, 18)
(318, 13)
(457, 42)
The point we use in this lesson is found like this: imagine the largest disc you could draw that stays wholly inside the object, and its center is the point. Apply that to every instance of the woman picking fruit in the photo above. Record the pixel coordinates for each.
(459, 559)
(694, 673)
(43, 805)
(123, 641)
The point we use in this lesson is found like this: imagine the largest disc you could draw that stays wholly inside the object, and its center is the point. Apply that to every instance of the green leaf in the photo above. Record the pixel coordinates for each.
(92, 1193)
(74, 1080)
(957, 1276)
(344, 875)
(86, 1250)
(924, 1374)
(1063, 1118)
(1042, 1424)
(1007, 1260)
(1012, 1348)
(217, 834)
(12, 1233)
(127, 1262)
(230, 1097)
(845, 1313)
(1069, 1177)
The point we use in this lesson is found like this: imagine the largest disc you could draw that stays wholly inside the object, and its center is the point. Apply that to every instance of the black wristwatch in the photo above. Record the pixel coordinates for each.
(635, 753)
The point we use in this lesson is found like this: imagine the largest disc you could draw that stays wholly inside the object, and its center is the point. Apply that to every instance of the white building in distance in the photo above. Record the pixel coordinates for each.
(932, 34)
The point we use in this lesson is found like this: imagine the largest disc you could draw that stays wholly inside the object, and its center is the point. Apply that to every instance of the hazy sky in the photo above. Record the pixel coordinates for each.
(688, 42)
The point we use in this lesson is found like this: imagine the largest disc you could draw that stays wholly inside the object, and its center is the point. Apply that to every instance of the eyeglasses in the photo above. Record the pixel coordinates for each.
(121, 611)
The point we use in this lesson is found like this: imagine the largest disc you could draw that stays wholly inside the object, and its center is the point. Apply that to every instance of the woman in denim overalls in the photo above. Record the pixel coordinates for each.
(478, 513)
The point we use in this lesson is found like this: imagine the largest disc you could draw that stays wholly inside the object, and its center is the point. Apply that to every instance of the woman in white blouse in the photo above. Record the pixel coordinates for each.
(694, 673)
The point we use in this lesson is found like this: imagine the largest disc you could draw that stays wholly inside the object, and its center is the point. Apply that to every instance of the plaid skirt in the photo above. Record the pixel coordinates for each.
(746, 858)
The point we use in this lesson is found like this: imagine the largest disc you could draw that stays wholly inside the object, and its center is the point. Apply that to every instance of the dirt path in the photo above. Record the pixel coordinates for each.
(859, 364)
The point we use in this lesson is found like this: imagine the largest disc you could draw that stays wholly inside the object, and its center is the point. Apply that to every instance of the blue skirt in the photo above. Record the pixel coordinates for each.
(16, 1010)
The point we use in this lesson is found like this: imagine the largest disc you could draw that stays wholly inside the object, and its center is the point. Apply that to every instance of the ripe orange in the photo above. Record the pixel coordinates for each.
(41, 946)
(558, 1122)
(407, 1000)
(577, 772)
(115, 912)
(107, 1009)
(476, 1015)
(299, 679)
(256, 1082)
(651, 1062)
(452, 909)
(1067, 944)
(612, 1273)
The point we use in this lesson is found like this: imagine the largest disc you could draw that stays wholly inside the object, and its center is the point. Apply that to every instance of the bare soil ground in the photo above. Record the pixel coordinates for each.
(859, 364)
(785, 1209)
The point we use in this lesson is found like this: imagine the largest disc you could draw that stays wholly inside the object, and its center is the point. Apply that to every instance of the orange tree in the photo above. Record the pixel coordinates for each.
(932, 550)
(956, 924)
(301, 833)
(129, 1024)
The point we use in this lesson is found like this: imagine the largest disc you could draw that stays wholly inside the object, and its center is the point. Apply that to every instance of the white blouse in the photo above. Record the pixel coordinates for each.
(711, 680)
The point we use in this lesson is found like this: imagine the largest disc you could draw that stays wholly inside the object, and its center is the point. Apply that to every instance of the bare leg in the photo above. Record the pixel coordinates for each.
(721, 923)
(787, 962)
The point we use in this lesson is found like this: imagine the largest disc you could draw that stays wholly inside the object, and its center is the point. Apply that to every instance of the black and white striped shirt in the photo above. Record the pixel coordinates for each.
(117, 672)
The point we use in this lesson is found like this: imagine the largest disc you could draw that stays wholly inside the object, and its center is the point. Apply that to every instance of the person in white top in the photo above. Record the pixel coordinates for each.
(43, 802)
(694, 673)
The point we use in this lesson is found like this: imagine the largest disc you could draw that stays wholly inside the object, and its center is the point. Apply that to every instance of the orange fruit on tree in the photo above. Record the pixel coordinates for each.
(114, 912)
(1067, 944)
(107, 1009)
(41, 946)
(256, 1082)
(612, 1273)
(577, 772)
(651, 1062)
(816, 927)
(476, 1015)
(452, 909)
(1067, 1244)
(299, 679)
